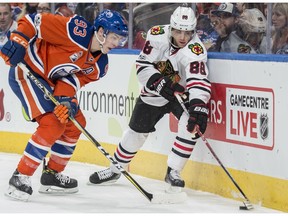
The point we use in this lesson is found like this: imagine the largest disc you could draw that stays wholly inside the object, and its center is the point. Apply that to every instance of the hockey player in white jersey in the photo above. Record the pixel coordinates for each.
(173, 60)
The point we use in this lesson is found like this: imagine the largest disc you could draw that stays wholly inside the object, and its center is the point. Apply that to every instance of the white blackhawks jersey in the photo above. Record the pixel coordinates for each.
(234, 44)
(187, 66)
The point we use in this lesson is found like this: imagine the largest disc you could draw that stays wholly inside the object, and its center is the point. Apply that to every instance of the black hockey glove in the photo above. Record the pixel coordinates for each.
(198, 112)
(164, 86)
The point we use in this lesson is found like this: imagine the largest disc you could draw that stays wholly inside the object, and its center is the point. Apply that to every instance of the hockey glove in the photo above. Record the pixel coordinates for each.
(164, 86)
(198, 112)
(68, 107)
(14, 49)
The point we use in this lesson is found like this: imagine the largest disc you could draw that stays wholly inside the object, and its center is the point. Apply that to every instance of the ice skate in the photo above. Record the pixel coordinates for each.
(53, 182)
(19, 187)
(174, 180)
(104, 177)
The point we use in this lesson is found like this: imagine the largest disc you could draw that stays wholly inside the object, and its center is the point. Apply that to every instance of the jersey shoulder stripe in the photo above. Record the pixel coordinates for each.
(80, 31)
(102, 65)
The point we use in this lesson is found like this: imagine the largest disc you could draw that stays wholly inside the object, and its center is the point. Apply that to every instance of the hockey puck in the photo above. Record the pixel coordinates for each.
(243, 208)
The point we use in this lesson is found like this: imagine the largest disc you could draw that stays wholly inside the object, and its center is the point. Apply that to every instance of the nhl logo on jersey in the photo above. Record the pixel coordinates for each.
(37, 20)
(157, 30)
(75, 56)
(196, 48)
(264, 126)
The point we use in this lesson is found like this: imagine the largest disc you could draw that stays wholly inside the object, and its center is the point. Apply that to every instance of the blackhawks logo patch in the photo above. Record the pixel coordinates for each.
(196, 48)
(166, 68)
(242, 48)
(157, 30)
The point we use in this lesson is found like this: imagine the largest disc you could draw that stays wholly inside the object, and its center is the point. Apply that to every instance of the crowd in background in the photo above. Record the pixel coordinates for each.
(222, 27)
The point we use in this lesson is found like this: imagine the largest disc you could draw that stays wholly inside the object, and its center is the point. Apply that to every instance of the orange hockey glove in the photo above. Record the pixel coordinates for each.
(68, 107)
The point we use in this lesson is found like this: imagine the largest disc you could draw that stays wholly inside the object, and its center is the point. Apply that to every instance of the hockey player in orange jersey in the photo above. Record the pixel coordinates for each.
(64, 53)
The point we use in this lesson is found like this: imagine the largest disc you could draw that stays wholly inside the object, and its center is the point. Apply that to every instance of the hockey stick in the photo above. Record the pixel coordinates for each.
(247, 203)
(154, 198)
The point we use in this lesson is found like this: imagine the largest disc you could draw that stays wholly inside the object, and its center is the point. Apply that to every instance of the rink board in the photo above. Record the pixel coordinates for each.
(247, 126)
(262, 190)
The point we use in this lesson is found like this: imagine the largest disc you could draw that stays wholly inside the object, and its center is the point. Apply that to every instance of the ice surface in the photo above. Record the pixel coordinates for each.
(121, 197)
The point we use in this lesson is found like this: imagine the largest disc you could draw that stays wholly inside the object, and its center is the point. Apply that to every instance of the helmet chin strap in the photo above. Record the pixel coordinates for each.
(171, 38)
(100, 42)
(173, 44)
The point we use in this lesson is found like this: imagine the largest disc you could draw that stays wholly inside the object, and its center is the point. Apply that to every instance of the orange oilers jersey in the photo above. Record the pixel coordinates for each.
(59, 51)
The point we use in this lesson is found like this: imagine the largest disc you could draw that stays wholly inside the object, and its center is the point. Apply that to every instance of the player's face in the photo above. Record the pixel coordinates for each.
(112, 41)
(181, 38)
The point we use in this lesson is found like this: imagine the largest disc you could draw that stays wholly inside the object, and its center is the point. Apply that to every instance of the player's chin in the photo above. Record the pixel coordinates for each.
(181, 45)
(106, 50)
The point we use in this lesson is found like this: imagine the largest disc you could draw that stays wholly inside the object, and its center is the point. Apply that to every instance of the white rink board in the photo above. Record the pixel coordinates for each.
(237, 143)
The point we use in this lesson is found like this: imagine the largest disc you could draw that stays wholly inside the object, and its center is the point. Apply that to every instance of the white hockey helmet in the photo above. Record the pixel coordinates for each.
(252, 20)
(183, 18)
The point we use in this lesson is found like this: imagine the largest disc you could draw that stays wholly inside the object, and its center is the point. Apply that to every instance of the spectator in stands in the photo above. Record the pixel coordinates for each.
(72, 6)
(16, 9)
(203, 24)
(114, 6)
(280, 24)
(139, 40)
(226, 23)
(43, 7)
(81, 8)
(242, 6)
(138, 34)
(29, 8)
(249, 36)
(63, 10)
(207, 34)
(7, 24)
(90, 12)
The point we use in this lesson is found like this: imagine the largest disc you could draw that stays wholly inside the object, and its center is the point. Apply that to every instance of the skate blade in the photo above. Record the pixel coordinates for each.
(56, 190)
(111, 182)
(15, 194)
(169, 198)
(173, 190)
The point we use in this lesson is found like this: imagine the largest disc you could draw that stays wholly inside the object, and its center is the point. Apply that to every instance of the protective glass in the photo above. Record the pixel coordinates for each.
(43, 9)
